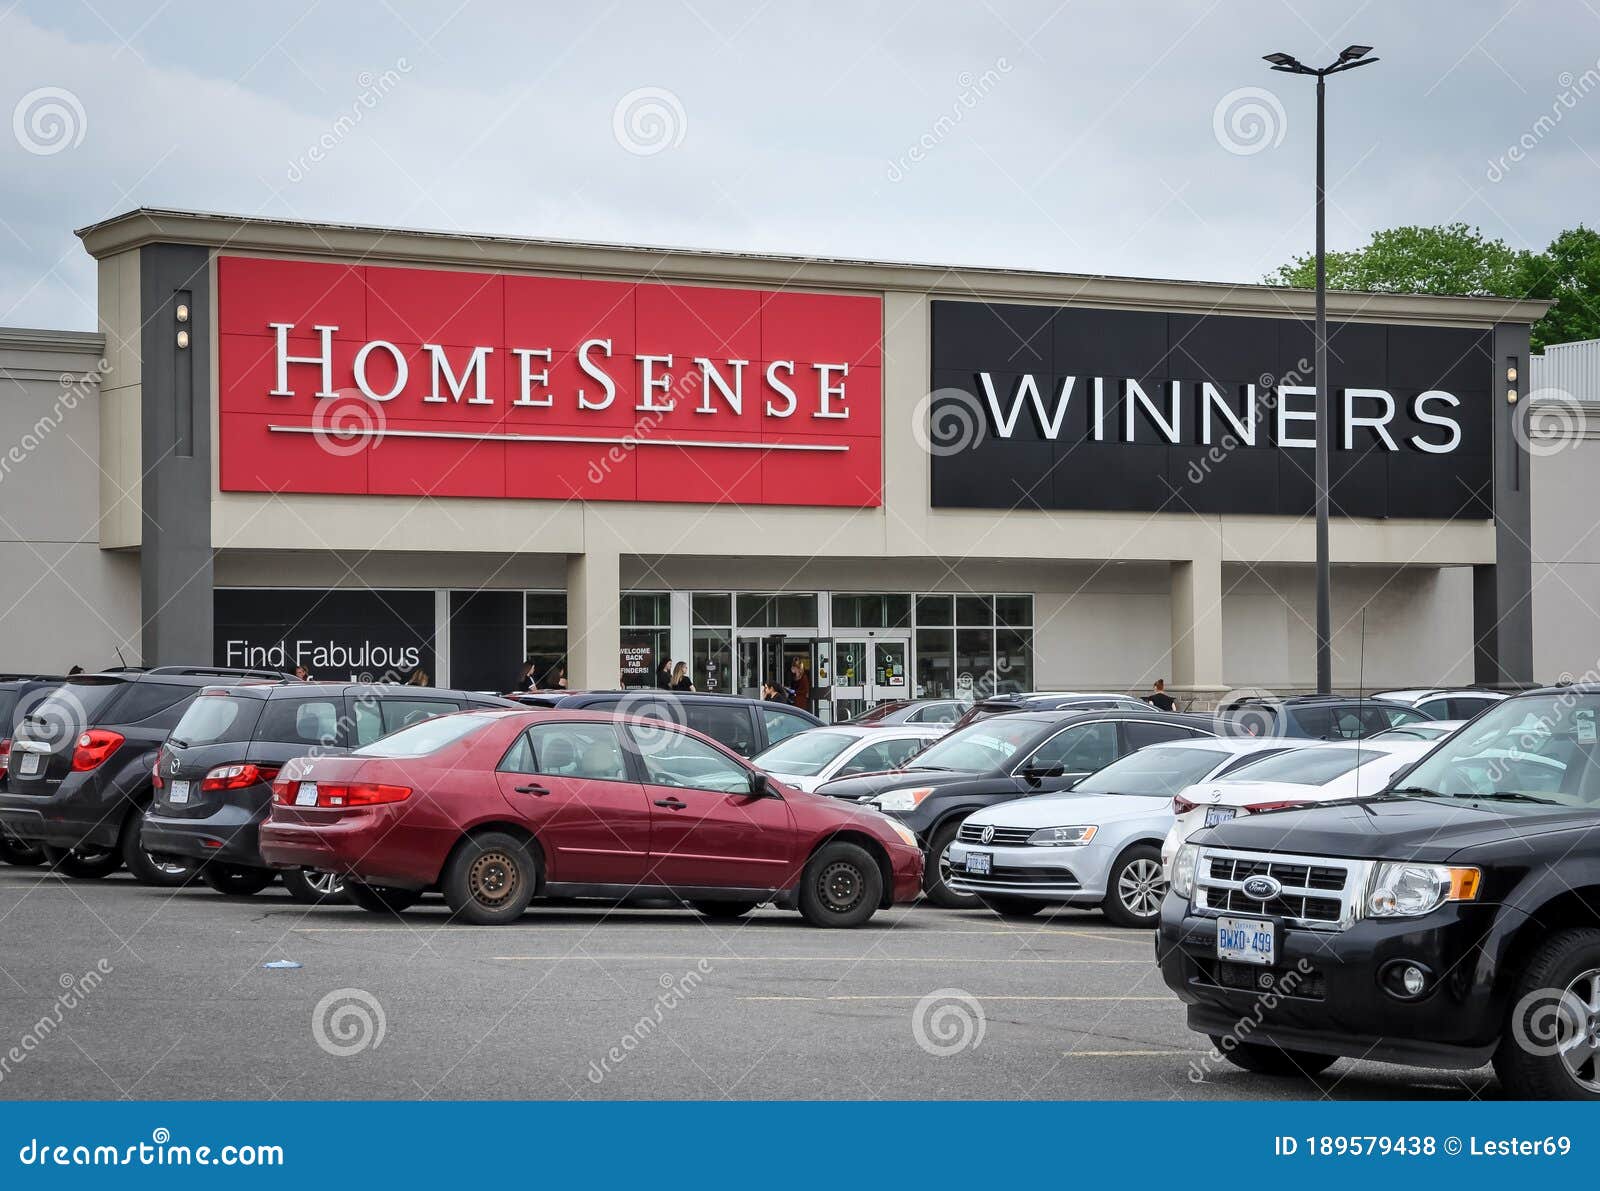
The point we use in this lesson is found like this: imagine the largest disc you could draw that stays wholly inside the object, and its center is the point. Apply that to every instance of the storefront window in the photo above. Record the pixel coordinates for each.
(712, 608)
(975, 662)
(1013, 660)
(545, 616)
(975, 610)
(759, 611)
(871, 611)
(1014, 611)
(713, 660)
(935, 672)
(646, 635)
(935, 610)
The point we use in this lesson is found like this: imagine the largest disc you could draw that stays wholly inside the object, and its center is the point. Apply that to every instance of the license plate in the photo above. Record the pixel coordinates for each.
(1247, 940)
(306, 795)
(31, 764)
(179, 793)
(980, 862)
(1219, 814)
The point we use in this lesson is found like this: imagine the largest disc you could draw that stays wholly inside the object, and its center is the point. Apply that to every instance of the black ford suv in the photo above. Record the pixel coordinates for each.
(1450, 921)
(214, 774)
(744, 725)
(79, 774)
(999, 759)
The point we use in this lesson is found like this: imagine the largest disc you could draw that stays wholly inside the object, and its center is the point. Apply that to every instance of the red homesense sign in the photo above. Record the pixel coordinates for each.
(360, 379)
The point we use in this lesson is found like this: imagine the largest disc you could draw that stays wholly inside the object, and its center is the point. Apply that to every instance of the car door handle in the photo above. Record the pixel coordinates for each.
(672, 804)
(532, 789)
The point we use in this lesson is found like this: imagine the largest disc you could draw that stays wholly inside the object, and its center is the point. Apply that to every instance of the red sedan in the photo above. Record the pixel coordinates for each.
(495, 807)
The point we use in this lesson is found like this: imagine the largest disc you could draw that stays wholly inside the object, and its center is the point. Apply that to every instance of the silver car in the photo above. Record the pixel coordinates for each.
(1098, 844)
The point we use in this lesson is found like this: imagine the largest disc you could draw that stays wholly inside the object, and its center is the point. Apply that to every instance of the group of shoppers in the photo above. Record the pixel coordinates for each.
(673, 676)
(540, 675)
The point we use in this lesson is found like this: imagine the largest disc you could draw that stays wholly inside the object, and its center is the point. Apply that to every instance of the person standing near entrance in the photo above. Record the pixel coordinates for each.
(680, 677)
(801, 672)
(1159, 699)
(664, 675)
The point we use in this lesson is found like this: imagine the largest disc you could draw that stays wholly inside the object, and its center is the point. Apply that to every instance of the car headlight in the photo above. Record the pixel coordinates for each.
(1184, 865)
(1405, 889)
(902, 800)
(1061, 837)
(907, 836)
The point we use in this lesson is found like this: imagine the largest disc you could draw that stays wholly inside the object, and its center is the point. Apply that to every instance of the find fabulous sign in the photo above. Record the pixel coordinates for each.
(341, 634)
(372, 380)
(1073, 408)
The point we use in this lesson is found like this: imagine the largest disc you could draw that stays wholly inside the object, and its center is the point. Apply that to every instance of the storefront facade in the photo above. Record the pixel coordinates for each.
(372, 452)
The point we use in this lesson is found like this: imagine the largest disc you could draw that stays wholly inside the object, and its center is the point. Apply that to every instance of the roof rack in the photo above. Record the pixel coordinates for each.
(218, 671)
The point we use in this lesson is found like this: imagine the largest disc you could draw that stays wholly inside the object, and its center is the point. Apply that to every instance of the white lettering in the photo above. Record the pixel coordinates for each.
(1420, 413)
(1133, 396)
(783, 390)
(826, 392)
(649, 382)
(709, 376)
(590, 368)
(529, 377)
(1287, 415)
(401, 370)
(1379, 424)
(1028, 391)
(474, 372)
(325, 360)
(1211, 398)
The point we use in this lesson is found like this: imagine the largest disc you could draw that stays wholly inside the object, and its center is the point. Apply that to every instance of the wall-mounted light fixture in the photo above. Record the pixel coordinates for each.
(183, 340)
(1511, 380)
(183, 312)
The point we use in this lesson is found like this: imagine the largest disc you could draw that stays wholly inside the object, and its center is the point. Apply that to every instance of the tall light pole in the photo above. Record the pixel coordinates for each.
(1349, 59)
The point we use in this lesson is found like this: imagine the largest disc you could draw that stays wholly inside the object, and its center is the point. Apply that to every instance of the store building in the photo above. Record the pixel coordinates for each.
(374, 451)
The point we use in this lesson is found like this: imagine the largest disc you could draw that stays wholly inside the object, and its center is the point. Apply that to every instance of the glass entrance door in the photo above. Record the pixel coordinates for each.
(869, 671)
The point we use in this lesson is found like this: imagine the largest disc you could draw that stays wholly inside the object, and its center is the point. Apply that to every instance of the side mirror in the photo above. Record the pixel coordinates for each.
(1034, 774)
(1401, 772)
(761, 786)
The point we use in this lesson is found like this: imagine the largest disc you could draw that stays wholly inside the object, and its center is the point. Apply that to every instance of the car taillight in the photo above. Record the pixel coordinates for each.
(5, 755)
(237, 777)
(94, 746)
(1181, 805)
(340, 794)
(1255, 807)
(155, 772)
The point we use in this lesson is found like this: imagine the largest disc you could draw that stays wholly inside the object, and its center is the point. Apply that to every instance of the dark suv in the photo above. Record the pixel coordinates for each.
(747, 726)
(18, 693)
(79, 777)
(1449, 921)
(1000, 759)
(995, 705)
(214, 774)
(1315, 717)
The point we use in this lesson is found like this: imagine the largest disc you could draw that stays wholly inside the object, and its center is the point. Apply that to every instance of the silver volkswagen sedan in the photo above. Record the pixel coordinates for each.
(1098, 844)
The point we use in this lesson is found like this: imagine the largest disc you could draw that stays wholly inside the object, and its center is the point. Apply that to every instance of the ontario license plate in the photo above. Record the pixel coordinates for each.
(306, 795)
(1219, 814)
(178, 794)
(31, 764)
(980, 862)
(1247, 940)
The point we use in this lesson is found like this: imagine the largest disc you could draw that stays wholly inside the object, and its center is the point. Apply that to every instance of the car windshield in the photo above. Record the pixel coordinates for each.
(217, 719)
(1153, 773)
(1305, 767)
(68, 710)
(427, 737)
(805, 754)
(1536, 748)
(993, 744)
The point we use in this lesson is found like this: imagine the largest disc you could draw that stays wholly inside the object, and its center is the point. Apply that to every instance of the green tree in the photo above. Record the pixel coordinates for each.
(1458, 259)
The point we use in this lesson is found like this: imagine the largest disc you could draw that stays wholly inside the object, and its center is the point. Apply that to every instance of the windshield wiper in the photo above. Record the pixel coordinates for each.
(176, 743)
(1511, 796)
(1416, 791)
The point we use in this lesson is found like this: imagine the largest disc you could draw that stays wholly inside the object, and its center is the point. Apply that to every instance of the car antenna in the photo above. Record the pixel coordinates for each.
(122, 660)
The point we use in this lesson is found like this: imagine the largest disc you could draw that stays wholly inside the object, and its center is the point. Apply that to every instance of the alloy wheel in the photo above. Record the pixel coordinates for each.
(325, 884)
(1140, 887)
(1578, 1030)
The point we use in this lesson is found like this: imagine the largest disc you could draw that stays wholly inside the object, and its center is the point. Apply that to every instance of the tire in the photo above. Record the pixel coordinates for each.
(841, 886)
(1013, 907)
(490, 879)
(723, 910)
(315, 889)
(1135, 887)
(165, 872)
(236, 880)
(1263, 1059)
(1550, 1007)
(381, 899)
(936, 873)
(19, 852)
(87, 864)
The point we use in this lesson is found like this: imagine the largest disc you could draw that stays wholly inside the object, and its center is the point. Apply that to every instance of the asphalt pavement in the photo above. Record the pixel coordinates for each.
(109, 990)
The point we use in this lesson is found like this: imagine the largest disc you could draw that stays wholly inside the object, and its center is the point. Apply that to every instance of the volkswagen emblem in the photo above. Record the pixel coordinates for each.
(987, 835)
(1262, 888)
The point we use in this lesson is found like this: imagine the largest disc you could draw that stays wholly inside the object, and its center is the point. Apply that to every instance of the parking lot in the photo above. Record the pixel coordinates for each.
(593, 1002)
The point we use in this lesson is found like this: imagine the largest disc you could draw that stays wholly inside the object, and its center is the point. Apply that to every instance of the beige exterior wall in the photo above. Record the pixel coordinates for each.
(1566, 544)
(63, 599)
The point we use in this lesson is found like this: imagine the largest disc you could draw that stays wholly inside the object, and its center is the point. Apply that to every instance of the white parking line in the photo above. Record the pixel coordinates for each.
(1142, 961)
(975, 996)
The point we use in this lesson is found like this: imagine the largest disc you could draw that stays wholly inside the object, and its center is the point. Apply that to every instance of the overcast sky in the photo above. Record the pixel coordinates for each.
(1104, 136)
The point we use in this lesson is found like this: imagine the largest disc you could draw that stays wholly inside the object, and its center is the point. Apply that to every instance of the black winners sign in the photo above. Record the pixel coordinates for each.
(339, 635)
(1063, 408)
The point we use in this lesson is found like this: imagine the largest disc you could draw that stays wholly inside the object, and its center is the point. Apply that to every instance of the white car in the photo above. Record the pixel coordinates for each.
(1094, 845)
(1444, 704)
(1316, 773)
(807, 759)
(1421, 730)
